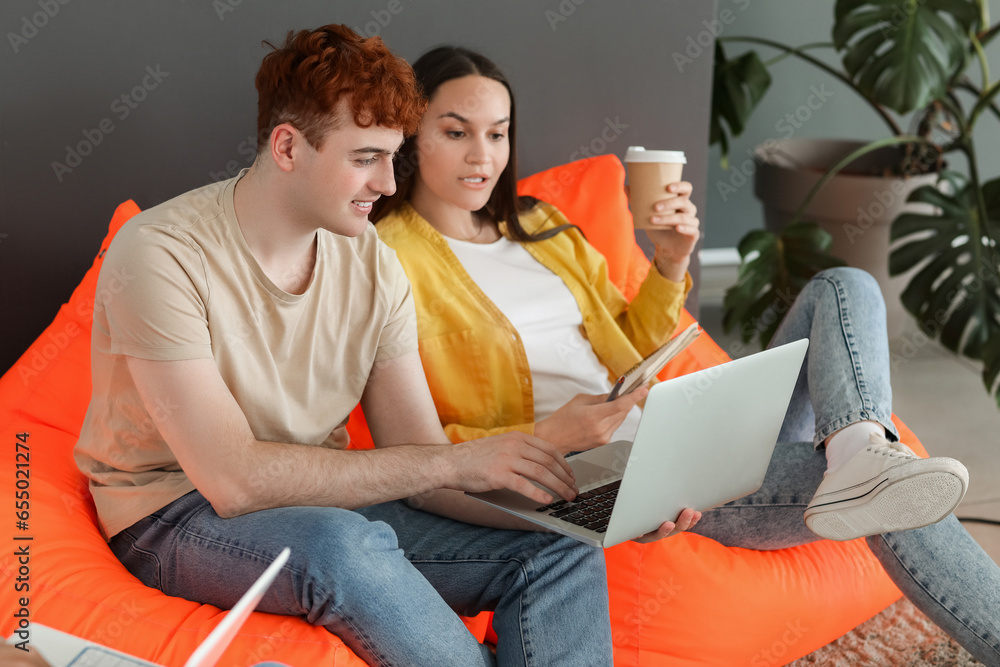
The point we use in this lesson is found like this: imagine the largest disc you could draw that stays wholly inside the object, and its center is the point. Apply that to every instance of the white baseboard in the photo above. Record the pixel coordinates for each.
(719, 257)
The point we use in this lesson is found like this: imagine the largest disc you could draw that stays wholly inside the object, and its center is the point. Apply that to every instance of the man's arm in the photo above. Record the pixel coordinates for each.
(399, 409)
(212, 440)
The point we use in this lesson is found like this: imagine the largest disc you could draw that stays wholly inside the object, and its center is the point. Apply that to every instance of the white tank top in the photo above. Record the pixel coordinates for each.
(546, 316)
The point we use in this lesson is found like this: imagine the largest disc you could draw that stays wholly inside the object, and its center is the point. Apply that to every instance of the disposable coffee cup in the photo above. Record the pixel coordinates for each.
(649, 174)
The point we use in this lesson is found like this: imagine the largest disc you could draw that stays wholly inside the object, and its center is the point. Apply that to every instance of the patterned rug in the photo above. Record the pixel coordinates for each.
(900, 635)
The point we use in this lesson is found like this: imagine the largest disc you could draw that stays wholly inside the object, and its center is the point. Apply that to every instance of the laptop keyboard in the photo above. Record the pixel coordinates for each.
(590, 509)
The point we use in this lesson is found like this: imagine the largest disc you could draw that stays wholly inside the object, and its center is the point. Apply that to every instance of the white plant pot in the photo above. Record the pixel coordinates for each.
(855, 210)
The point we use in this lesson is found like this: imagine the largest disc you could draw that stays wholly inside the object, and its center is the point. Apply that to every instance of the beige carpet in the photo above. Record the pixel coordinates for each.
(901, 635)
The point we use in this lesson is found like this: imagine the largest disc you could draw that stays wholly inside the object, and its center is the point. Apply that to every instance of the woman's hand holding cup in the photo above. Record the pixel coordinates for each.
(661, 204)
(675, 232)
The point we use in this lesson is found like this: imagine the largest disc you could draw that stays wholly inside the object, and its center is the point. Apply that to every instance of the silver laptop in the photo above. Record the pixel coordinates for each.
(704, 439)
(64, 650)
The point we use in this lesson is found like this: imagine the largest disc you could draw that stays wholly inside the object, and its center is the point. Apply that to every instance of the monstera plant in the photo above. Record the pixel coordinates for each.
(919, 58)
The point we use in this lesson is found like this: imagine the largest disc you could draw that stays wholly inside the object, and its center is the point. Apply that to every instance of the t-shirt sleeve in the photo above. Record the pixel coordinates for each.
(399, 335)
(154, 293)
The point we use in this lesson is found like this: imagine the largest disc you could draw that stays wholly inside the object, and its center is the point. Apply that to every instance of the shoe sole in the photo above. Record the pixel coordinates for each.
(925, 495)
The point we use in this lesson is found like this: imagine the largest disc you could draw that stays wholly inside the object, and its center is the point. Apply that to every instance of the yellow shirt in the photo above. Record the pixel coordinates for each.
(473, 358)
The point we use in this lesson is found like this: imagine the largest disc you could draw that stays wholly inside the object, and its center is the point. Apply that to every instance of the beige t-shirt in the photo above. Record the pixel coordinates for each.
(180, 282)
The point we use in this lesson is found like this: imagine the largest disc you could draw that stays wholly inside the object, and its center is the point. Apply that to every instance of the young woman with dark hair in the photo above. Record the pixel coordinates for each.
(520, 329)
(438, 67)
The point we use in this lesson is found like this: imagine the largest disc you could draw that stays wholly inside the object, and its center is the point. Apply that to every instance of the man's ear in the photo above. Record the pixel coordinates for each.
(285, 144)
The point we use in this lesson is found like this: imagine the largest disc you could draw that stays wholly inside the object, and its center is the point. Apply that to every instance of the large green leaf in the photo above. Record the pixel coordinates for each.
(737, 86)
(773, 271)
(955, 292)
(902, 53)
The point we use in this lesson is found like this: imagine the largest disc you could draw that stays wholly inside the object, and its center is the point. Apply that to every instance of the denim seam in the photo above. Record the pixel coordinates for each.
(194, 536)
(268, 559)
(525, 640)
(147, 555)
(363, 636)
(847, 328)
(918, 582)
(868, 409)
(835, 425)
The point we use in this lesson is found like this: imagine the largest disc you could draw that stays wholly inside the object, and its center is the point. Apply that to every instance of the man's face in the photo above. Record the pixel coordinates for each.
(338, 183)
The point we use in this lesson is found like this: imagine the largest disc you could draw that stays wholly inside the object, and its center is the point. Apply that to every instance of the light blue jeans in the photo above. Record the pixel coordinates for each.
(845, 379)
(395, 605)
(387, 579)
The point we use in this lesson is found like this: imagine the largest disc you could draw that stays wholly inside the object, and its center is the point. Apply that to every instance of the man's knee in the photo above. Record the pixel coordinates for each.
(568, 554)
(343, 536)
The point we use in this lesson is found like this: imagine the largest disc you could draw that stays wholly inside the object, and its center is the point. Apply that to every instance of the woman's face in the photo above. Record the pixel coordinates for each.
(462, 146)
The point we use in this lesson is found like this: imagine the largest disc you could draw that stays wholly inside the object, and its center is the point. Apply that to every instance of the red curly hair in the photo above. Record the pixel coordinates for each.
(302, 82)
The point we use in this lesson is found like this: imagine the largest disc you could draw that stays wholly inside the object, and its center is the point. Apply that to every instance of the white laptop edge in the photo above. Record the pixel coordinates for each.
(758, 385)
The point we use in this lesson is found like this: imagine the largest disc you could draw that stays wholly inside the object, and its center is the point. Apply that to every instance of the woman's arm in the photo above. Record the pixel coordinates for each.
(676, 233)
(651, 317)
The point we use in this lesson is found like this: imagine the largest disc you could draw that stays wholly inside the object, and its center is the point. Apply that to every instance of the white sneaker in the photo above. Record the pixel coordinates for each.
(883, 488)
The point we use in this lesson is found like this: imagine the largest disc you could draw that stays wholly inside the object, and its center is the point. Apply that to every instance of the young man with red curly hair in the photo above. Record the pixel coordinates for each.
(257, 313)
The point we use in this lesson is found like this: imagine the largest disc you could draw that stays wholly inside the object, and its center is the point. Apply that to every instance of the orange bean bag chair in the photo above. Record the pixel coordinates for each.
(683, 601)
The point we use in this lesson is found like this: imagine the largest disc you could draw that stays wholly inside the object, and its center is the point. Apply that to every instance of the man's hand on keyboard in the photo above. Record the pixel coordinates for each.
(686, 521)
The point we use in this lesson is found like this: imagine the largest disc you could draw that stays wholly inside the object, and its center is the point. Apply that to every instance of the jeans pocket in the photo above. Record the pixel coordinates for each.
(142, 564)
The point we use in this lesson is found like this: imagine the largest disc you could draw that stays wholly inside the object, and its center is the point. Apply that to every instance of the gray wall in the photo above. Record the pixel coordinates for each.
(186, 70)
(842, 115)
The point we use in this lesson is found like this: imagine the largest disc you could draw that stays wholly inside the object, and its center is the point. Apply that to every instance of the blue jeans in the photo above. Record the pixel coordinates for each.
(845, 379)
(387, 579)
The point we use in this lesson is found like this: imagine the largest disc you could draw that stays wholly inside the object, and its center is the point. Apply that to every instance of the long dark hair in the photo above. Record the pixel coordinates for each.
(434, 68)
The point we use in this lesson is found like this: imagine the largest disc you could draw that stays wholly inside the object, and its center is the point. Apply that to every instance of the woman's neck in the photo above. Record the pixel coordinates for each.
(450, 220)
